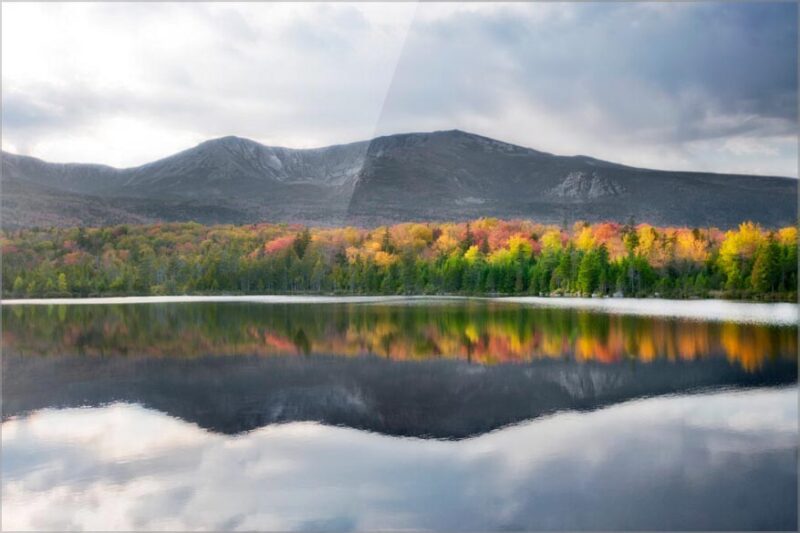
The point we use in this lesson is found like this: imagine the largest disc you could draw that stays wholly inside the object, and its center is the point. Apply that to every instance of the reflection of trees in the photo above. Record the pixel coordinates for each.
(481, 332)
(746, 345)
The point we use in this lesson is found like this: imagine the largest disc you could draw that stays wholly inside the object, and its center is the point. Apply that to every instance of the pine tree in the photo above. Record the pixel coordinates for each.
(468, 241)
(19, 285)
(318, 275)
(484, 249)
(561, 274)
(789, 268)
(407, 273)
(519, 278)
(588, 272)
(301, 242)
(62, 283)
(390, 280)
(766, 273)
(386, 243)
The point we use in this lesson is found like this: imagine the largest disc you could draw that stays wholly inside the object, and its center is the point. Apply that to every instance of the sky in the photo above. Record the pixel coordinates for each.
(685, 86)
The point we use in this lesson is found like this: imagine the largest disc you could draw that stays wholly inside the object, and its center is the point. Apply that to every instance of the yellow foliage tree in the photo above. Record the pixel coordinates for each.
(519, 245)
(737, 247)
(788, 236)
(584, 240)
(472, 254)
(551, 241)
(384, 259)
(690, 246)
(446, 243)
(647, 241)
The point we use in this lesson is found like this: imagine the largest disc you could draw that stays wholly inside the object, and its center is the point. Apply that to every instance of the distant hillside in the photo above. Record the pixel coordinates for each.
(446, 175)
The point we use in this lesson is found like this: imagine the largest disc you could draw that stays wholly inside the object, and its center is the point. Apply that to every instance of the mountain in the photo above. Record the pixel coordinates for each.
(457, 175)
(443, 175)
(223, 180)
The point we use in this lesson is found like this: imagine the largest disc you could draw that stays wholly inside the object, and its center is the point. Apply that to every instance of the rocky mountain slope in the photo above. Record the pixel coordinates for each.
(419, 176)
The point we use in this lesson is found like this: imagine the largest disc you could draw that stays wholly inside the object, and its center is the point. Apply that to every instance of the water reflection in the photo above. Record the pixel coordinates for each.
(712, 461)
(476, 331)
(446, 399)
(437, 415)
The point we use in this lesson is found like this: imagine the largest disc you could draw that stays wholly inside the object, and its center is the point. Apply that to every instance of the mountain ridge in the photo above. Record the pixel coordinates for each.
(440, 175)
(231, 138)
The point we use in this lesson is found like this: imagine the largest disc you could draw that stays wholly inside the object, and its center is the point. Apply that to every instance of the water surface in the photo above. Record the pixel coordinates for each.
(443, 414)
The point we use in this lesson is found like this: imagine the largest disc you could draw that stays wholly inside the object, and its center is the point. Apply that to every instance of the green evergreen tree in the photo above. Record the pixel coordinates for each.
(629, 236)
(766, 273)
(318, 275)
(561, 274)
(589, 273)
(62, 283)
(387, 245)
(468, 241)
(301, 242)
(19, 285)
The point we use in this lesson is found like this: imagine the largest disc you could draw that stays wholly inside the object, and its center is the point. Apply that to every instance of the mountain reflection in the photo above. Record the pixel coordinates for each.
(474, 331)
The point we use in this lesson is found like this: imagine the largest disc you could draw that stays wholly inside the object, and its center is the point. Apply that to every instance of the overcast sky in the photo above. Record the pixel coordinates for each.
(675, 86)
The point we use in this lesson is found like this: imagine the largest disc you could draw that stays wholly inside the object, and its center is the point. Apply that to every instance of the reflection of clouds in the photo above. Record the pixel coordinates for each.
(666, 463)
(116, 432)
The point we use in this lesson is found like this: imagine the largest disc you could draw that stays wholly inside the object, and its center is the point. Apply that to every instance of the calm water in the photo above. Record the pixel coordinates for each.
(421, 414)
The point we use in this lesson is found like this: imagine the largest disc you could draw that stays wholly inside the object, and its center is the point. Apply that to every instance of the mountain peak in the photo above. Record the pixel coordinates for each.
(439, 175)
(231, 142)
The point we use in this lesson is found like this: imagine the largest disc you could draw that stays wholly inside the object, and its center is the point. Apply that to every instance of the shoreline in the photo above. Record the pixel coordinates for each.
(778, 313)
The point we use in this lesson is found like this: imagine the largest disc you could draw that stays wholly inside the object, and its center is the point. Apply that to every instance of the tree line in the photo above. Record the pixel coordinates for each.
(484, 256)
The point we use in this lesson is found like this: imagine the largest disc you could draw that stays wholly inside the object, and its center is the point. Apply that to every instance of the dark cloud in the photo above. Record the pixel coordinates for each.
(662, 72)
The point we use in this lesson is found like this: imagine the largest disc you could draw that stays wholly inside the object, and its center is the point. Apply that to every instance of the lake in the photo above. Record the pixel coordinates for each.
(279, 413)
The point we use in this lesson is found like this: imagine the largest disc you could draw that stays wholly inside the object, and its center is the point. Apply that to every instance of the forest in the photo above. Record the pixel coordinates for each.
(484, 256)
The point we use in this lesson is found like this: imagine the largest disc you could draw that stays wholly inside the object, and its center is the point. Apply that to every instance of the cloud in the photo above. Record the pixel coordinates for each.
(283, 74)
(667, 86)
(623, 82)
